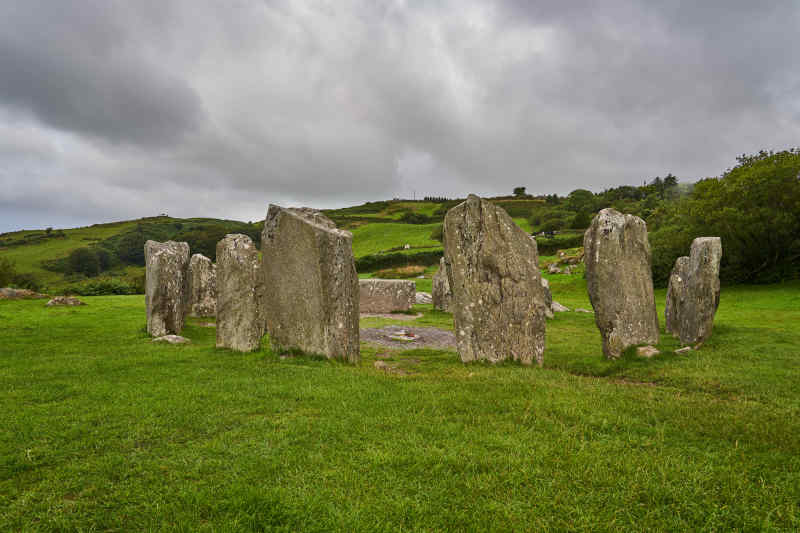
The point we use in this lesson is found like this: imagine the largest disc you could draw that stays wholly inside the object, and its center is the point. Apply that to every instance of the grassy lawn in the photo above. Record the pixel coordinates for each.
(379, 237)
(103, 430)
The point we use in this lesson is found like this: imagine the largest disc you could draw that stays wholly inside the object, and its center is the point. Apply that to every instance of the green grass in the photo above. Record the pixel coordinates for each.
(104, 430)
(380, 237)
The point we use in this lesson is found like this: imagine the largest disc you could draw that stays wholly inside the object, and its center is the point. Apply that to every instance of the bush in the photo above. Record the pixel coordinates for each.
(101, 287)
(83, 261)
(373, 262)
(27, 280)
(8, 271)
(410, 217)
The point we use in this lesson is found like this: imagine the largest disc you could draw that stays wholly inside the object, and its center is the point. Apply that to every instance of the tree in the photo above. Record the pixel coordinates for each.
(580, 200)
(8, 271)
(519, 191)
(83, 261)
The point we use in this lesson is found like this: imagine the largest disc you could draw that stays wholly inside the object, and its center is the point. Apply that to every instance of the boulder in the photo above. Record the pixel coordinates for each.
(166, 265)
(693, 292)
(620, 281)
(423, 298)
(7, 293)
(553, 269)
(311, 296)
(498, 300)
(441, 288)
(239, 322)
(202, 285)
(386, 295)
(64, 300)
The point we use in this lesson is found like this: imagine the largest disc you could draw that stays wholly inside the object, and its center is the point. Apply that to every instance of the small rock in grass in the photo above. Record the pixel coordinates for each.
(423, 298)
(685, 349)
(647, 351)
(172, 339)
(64, 300)
(558, 308)
(581, 310)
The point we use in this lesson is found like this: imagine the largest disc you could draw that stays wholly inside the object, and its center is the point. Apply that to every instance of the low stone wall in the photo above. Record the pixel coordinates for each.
(386, 295)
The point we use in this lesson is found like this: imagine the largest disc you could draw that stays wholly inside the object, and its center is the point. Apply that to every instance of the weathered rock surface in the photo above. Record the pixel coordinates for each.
(386, 295)
(442, 296)
(558, 308)
(64, 300)
(311, 296)
(423, 297)
(693, 292)
(498, 300)
(7, 293)
(239, 323)
(202, 284)
(172, 339)
(166, 265)
(620, 281)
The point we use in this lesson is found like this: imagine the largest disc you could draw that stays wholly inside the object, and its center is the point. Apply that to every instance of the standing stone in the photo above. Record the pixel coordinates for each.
(498, 299)
(620, 281)
(166, 265)
(386, 295)
(548, 298)
(311, 296)
(202, 286)
(239, 325)
(442, 295)
(693, 292)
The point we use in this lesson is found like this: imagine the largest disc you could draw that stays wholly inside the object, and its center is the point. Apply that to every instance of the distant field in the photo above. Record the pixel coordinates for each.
(104, 430)
(374, 238)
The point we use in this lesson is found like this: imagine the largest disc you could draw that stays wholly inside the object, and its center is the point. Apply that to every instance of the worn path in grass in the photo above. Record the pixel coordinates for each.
(102, 430)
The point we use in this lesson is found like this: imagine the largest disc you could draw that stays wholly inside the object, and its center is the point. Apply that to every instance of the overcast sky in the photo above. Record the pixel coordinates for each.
(111, 110)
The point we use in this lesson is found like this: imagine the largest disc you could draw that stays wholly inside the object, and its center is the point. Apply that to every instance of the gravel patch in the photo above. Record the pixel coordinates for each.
(424, 337)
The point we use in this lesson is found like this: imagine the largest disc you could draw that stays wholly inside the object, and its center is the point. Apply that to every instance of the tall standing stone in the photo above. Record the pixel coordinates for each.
(693, 292)
(166, 266)
(441, 288)
(497, 295)
(548, 298)
(620, 281)
(202, 284)
(239, 325)
(311, 293)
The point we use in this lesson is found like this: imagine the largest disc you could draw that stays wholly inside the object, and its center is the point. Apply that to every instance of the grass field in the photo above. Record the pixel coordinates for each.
(103, 430)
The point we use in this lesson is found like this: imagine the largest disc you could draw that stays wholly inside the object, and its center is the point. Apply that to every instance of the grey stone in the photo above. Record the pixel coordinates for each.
(172, 339)
(423, 297)
(548, 298)
(166, 266)
(647, 351)
(553, 269)
(442, 296)
(685, 349)
(202, 285)
(7, 293)
(558, 308)
(386, 295)
(498, 300)
(620, 281)
(581, 310)
(693, 292)
(64, 300)
(239, 323)
(311, 296)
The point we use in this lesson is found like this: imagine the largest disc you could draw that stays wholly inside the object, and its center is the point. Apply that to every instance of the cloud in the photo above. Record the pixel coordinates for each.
(111, 110)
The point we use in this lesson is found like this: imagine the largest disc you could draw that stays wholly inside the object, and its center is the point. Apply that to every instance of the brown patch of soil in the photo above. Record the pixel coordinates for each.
(425, 337)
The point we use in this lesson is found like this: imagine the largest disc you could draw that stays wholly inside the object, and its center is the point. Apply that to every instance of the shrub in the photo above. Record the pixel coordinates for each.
(101, 287)
(8, 271)
(84, 261)
(373, 262)
(27, 280)
(438, 233)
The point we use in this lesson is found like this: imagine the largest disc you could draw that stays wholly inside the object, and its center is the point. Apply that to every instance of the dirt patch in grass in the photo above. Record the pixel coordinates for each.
(424, 337)
(410, 271)
(392, 316)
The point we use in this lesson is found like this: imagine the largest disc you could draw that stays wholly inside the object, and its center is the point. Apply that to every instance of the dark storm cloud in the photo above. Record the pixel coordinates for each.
(121, 109)
(80, 66)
